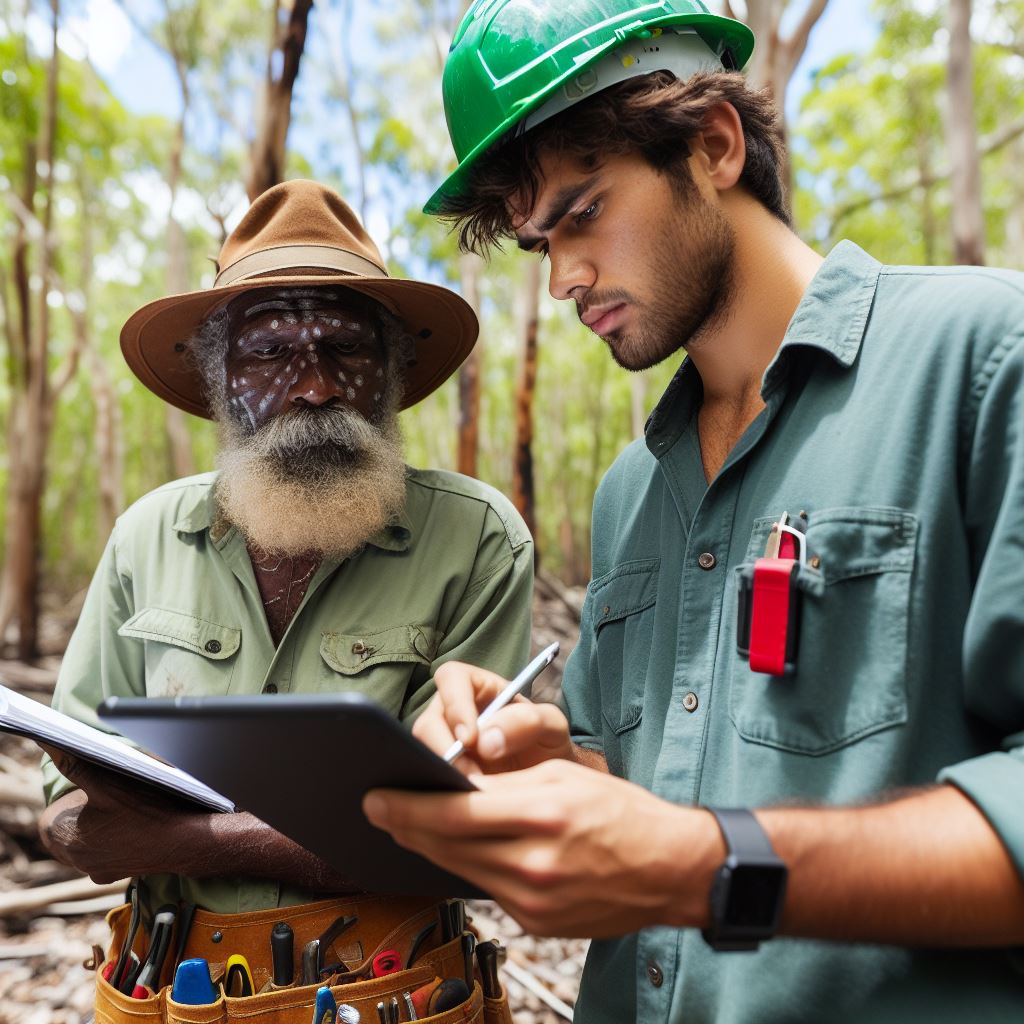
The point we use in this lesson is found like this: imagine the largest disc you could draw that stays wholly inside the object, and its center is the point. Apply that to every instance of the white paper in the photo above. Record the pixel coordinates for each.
(27, 717)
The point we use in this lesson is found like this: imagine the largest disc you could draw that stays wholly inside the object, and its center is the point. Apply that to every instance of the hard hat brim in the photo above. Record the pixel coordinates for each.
(737, 37)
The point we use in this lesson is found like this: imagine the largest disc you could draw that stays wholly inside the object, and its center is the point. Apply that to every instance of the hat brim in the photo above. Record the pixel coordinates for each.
(155, 339)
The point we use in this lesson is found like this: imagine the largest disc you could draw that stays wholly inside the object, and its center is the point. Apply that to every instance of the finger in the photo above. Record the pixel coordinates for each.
(432, 730)
(499, 813)
(71, 767)
(464, 691)
(537, 730)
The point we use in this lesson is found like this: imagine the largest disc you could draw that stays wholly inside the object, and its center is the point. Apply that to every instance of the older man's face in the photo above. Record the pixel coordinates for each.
(307, 401)
(292, 349)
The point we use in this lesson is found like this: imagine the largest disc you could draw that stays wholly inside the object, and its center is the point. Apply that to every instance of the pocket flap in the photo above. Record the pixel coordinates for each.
(352, 653)
(629, 589)
(210, 639)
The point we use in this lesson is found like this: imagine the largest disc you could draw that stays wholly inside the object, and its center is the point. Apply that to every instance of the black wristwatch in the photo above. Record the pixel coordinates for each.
(749, 888)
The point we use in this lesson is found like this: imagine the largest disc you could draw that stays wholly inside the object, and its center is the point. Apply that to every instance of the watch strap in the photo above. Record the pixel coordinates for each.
(747, 844)
(742, 832)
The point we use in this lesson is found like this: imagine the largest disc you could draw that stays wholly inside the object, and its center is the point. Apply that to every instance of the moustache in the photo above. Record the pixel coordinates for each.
(304, 429)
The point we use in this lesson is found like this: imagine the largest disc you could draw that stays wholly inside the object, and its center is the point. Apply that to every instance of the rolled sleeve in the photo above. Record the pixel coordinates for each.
(993, 647)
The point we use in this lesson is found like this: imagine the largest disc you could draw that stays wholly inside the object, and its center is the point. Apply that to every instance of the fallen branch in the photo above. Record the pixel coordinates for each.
(19, 676)
(12, 903)
(520, 973)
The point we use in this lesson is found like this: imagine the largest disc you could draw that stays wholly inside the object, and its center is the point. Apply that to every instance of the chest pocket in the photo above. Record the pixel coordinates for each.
(623, 604)
(185, 655)
(388, 665)
(850, 680)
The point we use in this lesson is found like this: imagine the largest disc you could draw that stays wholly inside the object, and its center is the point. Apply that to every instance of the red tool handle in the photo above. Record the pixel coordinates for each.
(769, 624)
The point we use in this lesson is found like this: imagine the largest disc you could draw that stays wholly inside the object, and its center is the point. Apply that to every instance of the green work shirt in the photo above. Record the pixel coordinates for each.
(894, 421)
(174, 608)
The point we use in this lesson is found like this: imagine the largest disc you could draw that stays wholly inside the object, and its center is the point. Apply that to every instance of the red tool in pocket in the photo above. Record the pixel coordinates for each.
(768, 617)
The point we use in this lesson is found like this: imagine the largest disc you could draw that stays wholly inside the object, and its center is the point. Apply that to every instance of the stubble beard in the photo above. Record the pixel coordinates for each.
(694, 265)
(312, 481)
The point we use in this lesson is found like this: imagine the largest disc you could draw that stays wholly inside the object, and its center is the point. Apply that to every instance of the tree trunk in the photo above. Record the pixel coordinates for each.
(968, 221)
(267, 156)
(179, 440)
(31, 402)
(522, 463)
(776, 56)
(469, 375)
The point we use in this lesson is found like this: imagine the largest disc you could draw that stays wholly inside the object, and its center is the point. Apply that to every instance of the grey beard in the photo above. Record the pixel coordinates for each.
(322, 481)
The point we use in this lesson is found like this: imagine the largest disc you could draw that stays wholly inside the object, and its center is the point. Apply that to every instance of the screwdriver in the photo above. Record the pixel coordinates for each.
(326, 1008)
(282, 948)
(160, 940)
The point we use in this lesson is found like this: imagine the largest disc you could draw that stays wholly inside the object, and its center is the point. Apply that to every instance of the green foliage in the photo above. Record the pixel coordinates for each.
(367, 119)
(873, 127)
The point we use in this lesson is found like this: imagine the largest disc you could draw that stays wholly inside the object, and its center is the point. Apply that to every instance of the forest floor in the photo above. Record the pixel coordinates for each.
(50, 918)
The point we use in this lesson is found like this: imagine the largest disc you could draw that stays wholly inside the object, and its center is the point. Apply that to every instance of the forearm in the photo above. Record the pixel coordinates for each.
(923, 870)
(110, 844)
(589, 758)
(926, 869)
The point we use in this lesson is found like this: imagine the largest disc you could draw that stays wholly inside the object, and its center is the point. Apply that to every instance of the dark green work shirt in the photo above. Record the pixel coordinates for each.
(894, 420)
(174, 609)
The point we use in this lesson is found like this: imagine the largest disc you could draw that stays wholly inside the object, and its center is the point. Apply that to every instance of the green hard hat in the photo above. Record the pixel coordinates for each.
(508, 57)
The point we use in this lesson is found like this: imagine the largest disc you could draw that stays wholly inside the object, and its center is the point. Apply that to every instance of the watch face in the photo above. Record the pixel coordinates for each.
(755, 895)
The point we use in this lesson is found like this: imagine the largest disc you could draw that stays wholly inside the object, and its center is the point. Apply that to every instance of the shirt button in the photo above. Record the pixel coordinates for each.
(358, 647)
(707, 560)
(270, 688)
(213, 647)
(690, 702)
(654, 975)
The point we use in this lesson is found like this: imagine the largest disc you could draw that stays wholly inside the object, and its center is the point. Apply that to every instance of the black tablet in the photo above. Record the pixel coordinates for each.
(301, 763)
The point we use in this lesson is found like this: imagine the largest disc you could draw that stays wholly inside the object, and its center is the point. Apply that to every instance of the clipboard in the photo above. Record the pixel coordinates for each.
(302, 763)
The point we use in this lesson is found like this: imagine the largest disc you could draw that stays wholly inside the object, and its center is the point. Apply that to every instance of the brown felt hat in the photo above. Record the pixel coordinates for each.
(297, 233)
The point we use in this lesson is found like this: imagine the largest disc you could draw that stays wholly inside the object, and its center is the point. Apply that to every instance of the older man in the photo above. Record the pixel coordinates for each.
(314, 560)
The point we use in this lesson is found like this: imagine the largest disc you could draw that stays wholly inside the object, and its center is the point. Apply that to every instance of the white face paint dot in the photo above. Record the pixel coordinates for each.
(317, 332)
(342, 377)
(359, 381)
(304, 334)
(302, 364)
(307, 318)
(380, 372)
(350, 394)
(277, 380)
(310, 347)
(290, 318)
(274, 324)
(376, 396)
(335, 323)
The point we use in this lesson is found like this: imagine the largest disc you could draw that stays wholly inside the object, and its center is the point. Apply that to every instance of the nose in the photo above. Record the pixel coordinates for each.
(571, 272)
(314, 388)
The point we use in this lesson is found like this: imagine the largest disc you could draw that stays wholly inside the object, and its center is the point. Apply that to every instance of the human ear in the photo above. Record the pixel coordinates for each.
(722, 146)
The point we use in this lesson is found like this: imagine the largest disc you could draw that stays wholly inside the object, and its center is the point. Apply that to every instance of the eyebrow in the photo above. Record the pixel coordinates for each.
(560, 206)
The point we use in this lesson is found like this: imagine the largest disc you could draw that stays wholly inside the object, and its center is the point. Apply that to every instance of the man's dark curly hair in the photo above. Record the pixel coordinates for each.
(654, 116)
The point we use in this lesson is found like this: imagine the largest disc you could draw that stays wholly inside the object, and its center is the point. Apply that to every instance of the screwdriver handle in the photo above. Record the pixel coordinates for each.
(282, 948)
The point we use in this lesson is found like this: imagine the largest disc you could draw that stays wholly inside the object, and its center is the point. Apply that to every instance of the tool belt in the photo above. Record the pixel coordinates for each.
(384, 923)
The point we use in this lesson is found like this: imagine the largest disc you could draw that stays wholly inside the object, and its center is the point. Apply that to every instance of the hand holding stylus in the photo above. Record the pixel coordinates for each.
(479, 721)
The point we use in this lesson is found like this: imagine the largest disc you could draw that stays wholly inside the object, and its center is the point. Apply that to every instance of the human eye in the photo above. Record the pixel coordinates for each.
(589, 213)
(268, 351)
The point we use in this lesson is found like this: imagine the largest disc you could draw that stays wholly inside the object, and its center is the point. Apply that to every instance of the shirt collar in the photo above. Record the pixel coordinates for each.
(832, 317)
(202, 514)
(833, 313)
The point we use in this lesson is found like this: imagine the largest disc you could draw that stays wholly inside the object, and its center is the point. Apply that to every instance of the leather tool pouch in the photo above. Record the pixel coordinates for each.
(383, 923)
